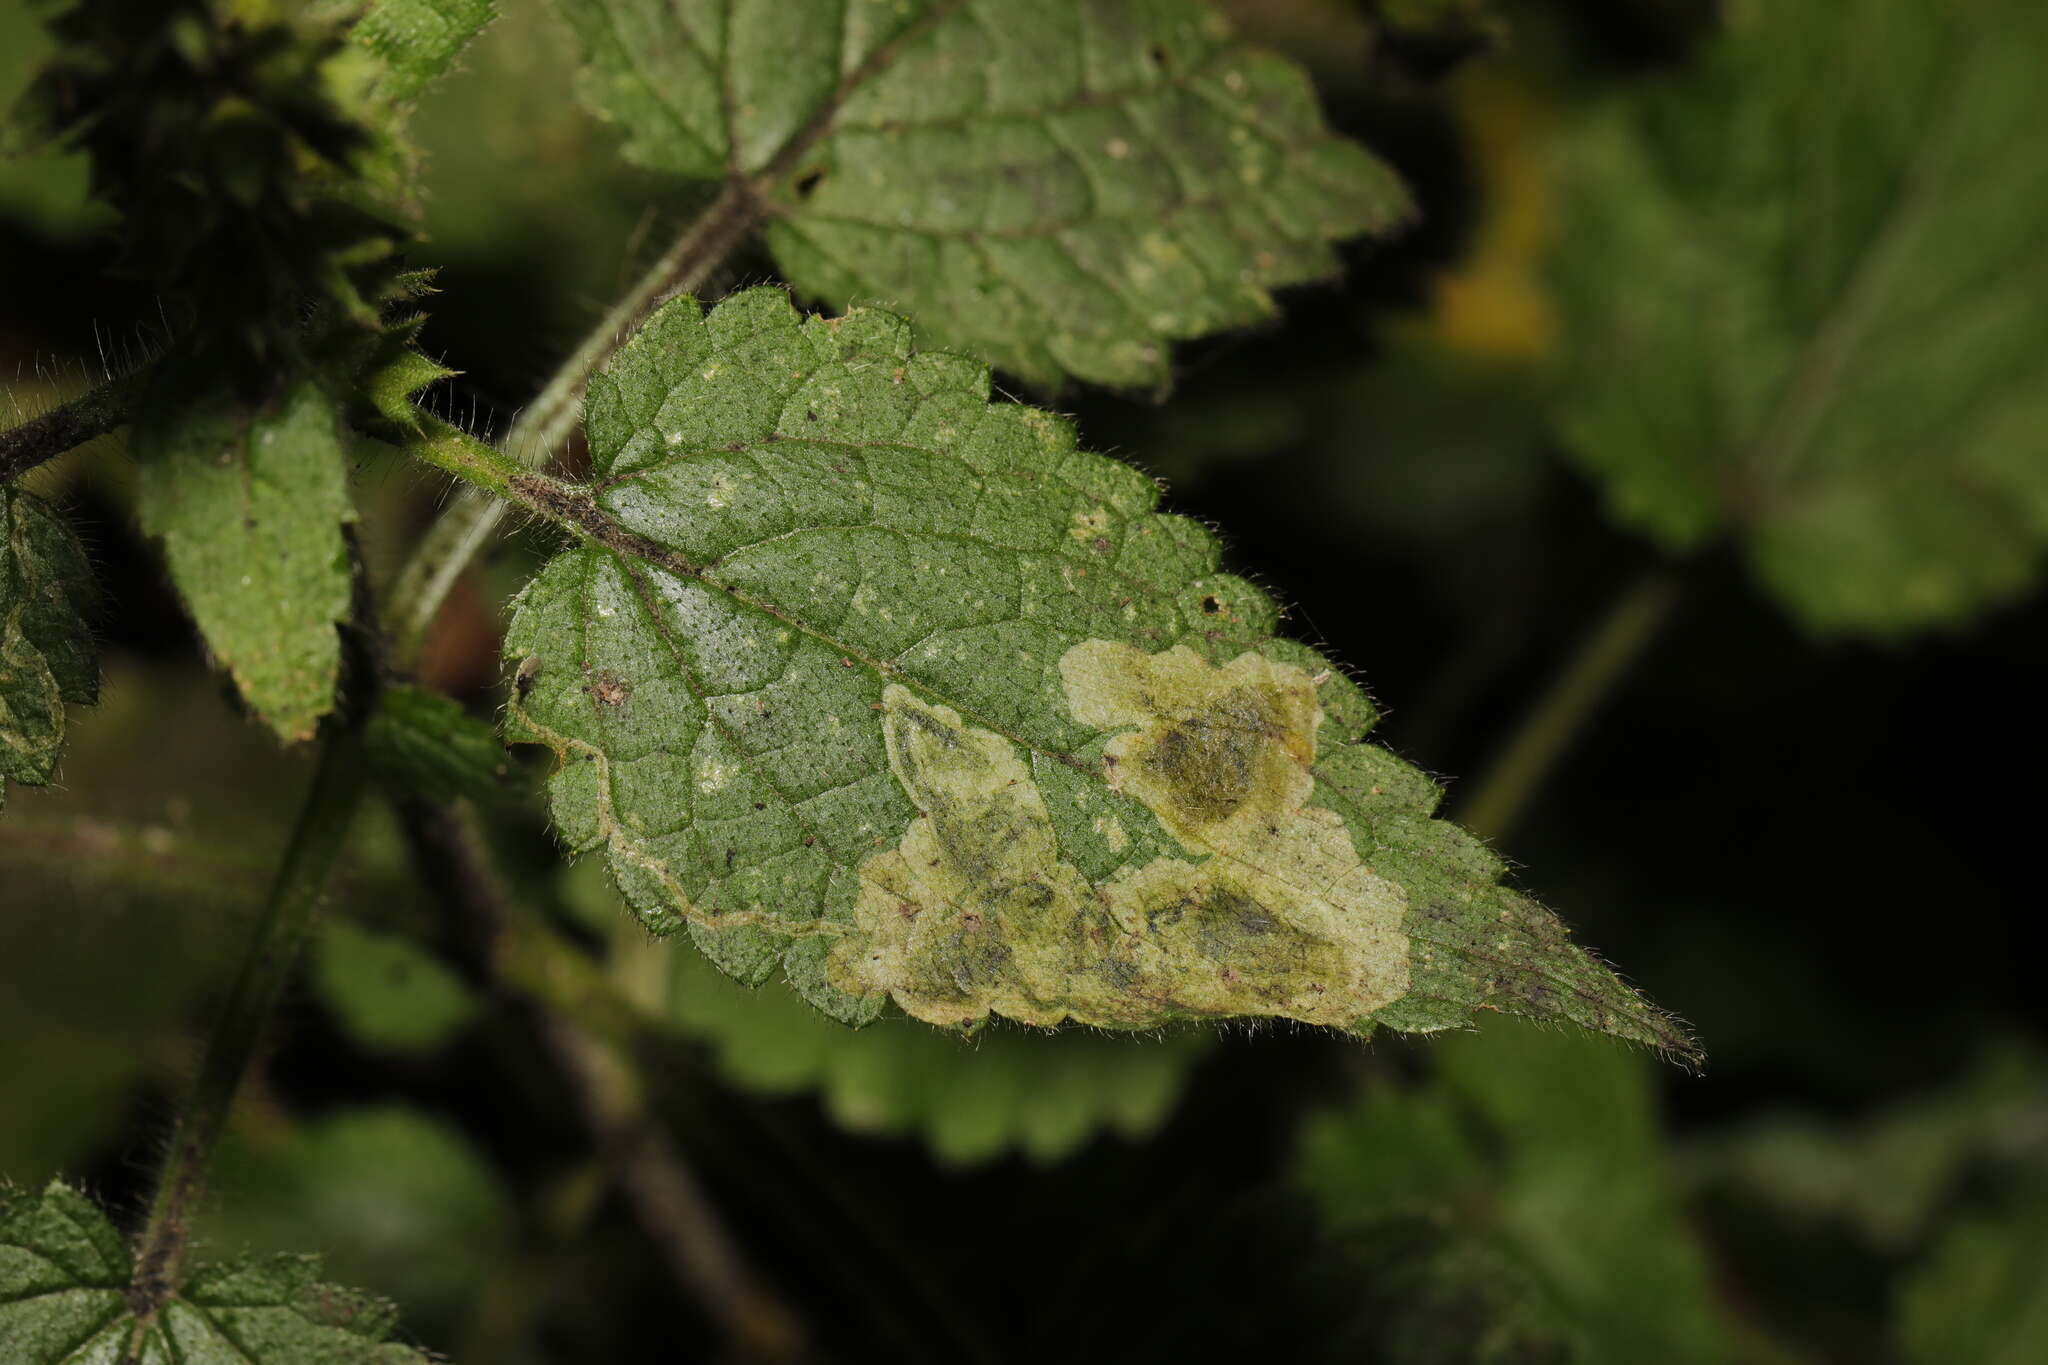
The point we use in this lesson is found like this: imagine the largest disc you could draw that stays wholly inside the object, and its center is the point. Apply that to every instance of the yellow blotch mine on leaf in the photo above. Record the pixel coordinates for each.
(1273, 913)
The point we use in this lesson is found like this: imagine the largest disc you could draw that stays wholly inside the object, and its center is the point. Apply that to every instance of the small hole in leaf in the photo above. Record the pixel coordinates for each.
(1212, 605)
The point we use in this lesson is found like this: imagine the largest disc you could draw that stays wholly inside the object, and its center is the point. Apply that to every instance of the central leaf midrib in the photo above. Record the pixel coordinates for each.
(786, 158)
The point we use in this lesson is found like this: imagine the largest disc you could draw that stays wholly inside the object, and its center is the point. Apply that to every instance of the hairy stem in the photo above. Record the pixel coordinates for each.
(70, 425)
(1602, 658)
(288, 914)
(665, 1196)
(467, 523)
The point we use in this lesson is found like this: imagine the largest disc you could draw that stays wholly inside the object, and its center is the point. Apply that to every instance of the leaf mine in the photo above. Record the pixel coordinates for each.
(863, 680)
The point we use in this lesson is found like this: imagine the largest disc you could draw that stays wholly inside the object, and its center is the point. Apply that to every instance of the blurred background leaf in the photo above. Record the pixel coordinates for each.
(1528, 1179)
(399, 1202)
(1807, 306)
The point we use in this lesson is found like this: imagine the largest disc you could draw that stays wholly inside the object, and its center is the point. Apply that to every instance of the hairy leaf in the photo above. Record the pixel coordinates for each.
(1527, 1178)
(64, 1276)
(416, 42)
(1809, 306)
(1061, 187)
(970, 1101)
(46, 649)
(865, 676)
(251, 506)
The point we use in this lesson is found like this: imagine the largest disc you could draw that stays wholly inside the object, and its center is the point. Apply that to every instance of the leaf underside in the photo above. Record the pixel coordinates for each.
(46, 649)
(1064, 187)
(1842, 359)
(250, 507)
(64, 1276)
(895, 690)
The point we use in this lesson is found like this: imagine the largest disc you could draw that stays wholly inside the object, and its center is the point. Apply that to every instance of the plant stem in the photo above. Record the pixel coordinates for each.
(1603, 656)
(467, 522)
(70, 425)
(309, 859)
(666, 1198)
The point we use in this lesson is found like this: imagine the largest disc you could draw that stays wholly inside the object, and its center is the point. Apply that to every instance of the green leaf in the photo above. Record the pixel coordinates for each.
(250, 506)
(64, 1276)
(46, 649)
(1809, 310)
(245, 187)
(970, 1101)
(1060, 188)
(399, 1202)
(386, 993)
(1982, 1296)
(424, 744)
(416, 42)
(1533, 1168)
(866, 677)
(1891, 1176)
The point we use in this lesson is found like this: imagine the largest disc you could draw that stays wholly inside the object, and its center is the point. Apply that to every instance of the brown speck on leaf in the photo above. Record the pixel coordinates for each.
(1212, 605)
(760, 805)
(608, 689)
(848, 663)
(1101, 545)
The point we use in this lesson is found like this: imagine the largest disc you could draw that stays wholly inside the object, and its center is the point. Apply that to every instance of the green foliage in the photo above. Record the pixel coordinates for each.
(251, 508)
(64, 1275)
(386, 992)
(769, 683)
(398, 1201)
(235, 170)
(1058, 188)
(413, 43)
(1808, 306)
(1527, 1203)
(971, 1101)
(1890, 1178)
(423, 743)
(1982, 1297)
(46, 650)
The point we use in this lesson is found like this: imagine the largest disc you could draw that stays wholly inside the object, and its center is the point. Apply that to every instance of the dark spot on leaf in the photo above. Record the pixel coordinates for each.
(1212, 605)
(760, 805)
(608, 688)
(807, 184)
(1157, 52)
(810, 416)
